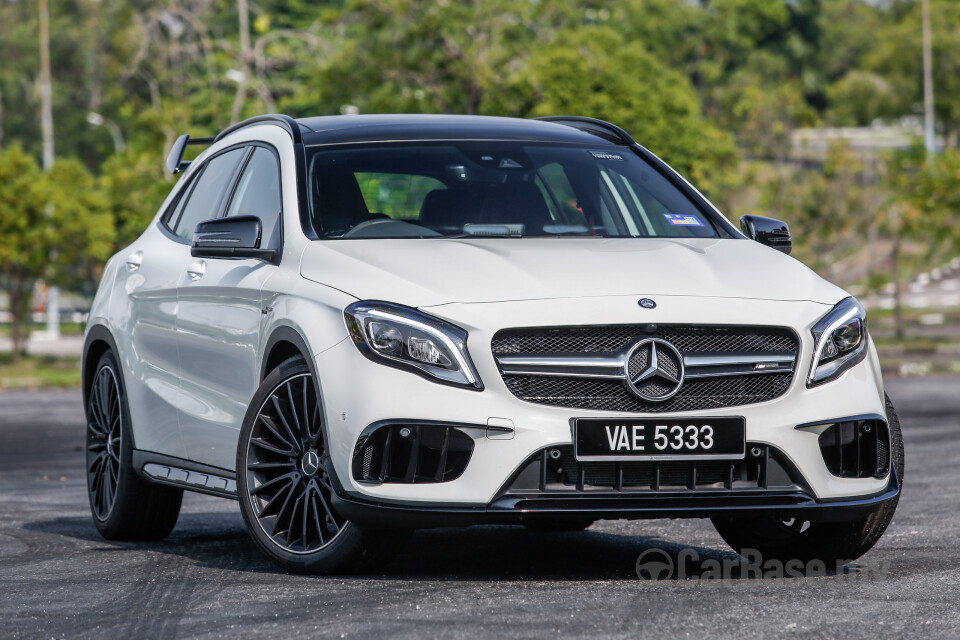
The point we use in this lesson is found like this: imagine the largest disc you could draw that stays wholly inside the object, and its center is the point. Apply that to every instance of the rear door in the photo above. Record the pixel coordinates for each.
(153, 270)
(219, 317)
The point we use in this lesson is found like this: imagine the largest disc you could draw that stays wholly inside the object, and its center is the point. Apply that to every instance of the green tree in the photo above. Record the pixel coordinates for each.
(594, 71)
(55, 226)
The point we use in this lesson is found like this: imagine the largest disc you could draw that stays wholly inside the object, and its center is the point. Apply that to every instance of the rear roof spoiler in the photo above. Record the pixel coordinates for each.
(175, 162)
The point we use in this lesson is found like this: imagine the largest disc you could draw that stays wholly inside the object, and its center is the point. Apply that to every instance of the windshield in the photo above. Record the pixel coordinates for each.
(495, 189)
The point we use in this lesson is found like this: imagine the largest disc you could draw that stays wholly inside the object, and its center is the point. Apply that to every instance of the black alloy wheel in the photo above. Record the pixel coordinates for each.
(104, 441)
(286, 468)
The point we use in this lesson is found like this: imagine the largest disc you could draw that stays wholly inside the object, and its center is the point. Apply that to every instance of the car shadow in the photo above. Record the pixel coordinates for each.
(218, 540)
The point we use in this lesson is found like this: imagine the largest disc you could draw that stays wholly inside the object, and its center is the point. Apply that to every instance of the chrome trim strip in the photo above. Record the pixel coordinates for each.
(748, 357)
(569, 366)
(698, 365)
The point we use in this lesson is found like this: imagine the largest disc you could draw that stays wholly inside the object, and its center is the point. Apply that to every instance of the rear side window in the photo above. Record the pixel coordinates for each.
(201, 202)
(258, 194)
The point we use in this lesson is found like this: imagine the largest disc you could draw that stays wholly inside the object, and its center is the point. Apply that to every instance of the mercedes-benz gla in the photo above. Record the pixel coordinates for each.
(358, 326)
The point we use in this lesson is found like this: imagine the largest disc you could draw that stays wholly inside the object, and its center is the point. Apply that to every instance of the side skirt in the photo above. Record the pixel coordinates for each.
(185, 474)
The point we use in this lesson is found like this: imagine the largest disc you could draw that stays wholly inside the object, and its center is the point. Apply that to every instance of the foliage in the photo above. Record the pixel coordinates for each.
(54, 224)
(719, 88)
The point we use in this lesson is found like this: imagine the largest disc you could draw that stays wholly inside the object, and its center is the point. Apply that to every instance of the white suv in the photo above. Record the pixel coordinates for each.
(362, 325)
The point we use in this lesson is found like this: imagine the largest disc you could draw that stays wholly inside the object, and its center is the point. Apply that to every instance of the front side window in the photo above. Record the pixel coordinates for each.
(495, 189)
(203, 200)
(258, 194)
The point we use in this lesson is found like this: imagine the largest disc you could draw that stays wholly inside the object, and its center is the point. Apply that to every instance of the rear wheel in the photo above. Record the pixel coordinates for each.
(793, 538)
(285, 482)
(124, 507)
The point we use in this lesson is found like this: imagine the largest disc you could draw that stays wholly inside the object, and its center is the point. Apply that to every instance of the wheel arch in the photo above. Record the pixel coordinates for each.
(97, 342)
(284, 343)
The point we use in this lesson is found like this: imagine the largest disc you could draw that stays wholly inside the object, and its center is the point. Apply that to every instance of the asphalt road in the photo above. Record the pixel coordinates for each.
(59, 579)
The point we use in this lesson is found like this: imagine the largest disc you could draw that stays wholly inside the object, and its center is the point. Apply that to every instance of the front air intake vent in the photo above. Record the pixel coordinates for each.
(411, 453)
(856, 448)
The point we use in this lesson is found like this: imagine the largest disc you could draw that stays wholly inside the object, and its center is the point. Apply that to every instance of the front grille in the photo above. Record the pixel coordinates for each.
(556, 470)
(613, 338)
(700, 393)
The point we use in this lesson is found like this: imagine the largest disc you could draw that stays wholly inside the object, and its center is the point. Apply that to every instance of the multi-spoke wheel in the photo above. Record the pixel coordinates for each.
(832, 542)
(286, 470)
(124, 506)
(285, 481)
(104, 437)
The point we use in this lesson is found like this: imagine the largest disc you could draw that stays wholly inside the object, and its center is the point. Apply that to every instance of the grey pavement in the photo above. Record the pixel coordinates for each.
(59, 579)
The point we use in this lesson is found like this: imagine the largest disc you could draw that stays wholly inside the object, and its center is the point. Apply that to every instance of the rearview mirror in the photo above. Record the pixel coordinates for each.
(233, 237)
(768, 231)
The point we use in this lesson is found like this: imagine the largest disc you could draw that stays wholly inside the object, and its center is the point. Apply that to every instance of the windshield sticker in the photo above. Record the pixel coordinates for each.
(510, 163)
(606, 155)
(682, 220)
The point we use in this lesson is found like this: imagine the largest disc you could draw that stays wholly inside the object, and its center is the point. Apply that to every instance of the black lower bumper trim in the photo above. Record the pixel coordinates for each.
(517, 509)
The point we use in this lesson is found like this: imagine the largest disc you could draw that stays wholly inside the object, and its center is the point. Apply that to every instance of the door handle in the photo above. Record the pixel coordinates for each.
(197, 269)
(134, 260)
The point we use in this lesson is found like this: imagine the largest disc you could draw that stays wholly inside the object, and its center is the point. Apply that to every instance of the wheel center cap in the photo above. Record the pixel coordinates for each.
(310, 463)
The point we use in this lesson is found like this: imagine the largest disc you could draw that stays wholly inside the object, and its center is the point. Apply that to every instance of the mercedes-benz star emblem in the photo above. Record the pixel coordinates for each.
(310, 463)
(661, 371)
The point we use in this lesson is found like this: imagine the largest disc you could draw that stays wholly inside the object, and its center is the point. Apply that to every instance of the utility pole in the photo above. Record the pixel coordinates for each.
(929, 136)
(46, 88)
(244, 17)
(46, 126)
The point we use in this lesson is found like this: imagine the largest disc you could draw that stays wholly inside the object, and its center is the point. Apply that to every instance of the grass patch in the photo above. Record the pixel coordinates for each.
(66, 329)
(39, 372)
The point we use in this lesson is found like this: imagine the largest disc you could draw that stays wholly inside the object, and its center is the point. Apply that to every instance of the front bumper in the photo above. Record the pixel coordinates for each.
(533, 508)
(358, 393)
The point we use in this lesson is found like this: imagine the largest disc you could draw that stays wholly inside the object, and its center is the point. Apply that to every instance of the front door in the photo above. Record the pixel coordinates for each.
(218, 323)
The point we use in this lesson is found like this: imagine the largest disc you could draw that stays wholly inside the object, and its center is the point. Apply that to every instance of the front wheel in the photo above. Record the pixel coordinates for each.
(285, 482)
(830, 542)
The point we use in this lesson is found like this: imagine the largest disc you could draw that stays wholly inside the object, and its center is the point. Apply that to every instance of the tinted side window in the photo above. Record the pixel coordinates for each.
(258, 194)
(203, 200)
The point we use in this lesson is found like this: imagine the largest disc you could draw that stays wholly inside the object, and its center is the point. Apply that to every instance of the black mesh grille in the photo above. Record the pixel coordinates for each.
(555, 469)
(612, 338)
(612, 395)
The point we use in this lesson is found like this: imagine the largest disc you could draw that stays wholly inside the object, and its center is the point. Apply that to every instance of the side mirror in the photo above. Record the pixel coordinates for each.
(233, 237)
(768, 231)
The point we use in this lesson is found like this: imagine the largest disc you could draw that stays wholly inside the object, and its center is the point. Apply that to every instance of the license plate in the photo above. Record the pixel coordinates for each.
(659, 438)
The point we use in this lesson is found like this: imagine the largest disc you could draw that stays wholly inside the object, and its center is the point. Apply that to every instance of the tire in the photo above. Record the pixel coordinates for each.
(285, 483)
(829, 542)
(559, 524)
(124, 507)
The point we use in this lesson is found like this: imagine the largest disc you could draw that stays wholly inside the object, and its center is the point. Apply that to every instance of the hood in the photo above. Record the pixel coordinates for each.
(428, 272)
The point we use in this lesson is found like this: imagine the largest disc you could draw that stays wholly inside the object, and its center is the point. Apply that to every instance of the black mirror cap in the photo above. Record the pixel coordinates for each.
(769, 231)
(233, 237)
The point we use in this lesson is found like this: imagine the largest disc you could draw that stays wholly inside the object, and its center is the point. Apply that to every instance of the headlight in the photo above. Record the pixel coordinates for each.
(407, 339)
(840, 342)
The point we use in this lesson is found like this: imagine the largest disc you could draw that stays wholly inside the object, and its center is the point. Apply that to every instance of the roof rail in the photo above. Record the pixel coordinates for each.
(175, 161)
(592, 125)
(288, 123)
